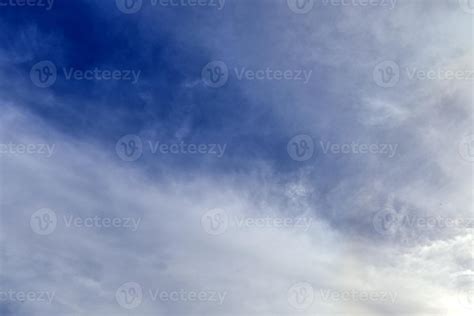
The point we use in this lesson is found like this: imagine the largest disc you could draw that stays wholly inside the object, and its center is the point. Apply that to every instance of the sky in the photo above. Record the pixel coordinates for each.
(237, 157)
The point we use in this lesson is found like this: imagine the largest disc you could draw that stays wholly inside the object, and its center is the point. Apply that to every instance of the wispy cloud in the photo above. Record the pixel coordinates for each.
(214, 181)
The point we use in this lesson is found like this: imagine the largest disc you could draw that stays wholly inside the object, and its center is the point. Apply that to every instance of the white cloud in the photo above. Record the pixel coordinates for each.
(254, 266)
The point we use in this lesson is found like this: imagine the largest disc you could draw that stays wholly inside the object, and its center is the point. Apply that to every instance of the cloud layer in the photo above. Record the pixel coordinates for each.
(374, 218)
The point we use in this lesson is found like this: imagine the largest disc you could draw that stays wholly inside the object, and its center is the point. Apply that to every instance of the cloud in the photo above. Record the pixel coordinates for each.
(254, 265)
(387, 235)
